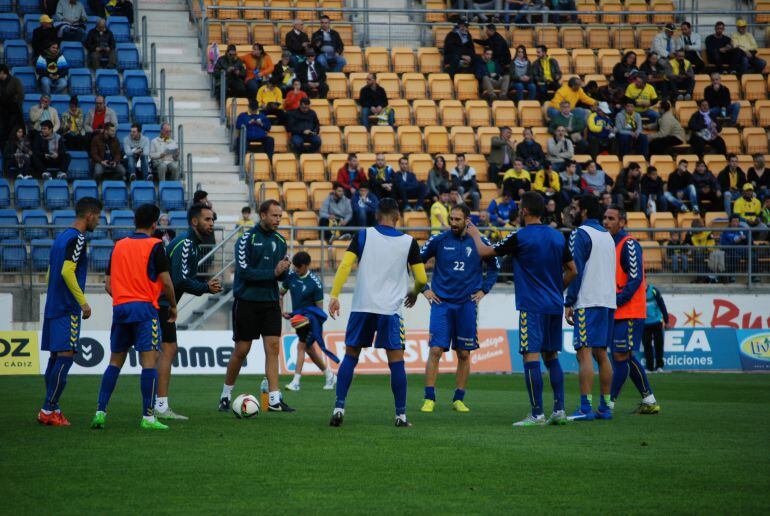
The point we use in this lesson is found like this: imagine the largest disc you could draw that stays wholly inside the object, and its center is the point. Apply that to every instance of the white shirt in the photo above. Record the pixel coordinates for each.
(598, 286)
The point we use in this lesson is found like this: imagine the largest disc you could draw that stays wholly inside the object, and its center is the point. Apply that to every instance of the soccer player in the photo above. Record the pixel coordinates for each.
(542, 265)
(628, 328)
(384, 255)
(459, 284)
(590, 304)
(261, 263)
(136, 276)
(307, 318)
(64, 304)
(184, 254)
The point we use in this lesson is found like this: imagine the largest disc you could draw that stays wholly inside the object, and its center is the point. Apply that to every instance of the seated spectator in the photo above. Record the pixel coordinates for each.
(759, 176)
(464, 179)
(350, 175)
(490, 75)
(517, 180)
(438, 178)
(71, 20)
(408, 187)
(670, 132)
(374, 104)
(456, 198)
(749, 209)
(136, 147)
(297, 42)
(569, 180)
(382, 178)
(11, 103)
(575, 126)
(501, 210)
(707, 188)
(547, 182)
(459, 52)
(336, 211)
(439, 213)
(283, 72)
(100, 44)
(304, 127)
(594, 181)
(494, 41)
(327, 44)
(521, 79)
(745, 47)
(681, 188)
(364, 205)
(313, 77)
(546, 74)
(765, 215)
(257, 126)
(294, 96)
(73, 127)
(163, 231)
(560, 149)
(48, 152)
(631, 139)
(731, 180)
(42, 112)
(720, 103)
(664, 43)
(245, 222)
(530, 152)
(44, 35)
(570, 215)
(692, 45)
(564, 5)
(17, 155)
(552, 216)
(99, 115)
(735, 242)
(653, 190)
(601, 130)
(720, 51)
(529, 7)
(51, 68)
(501, 155)
(270, 101)
(605, 200)
(658, 73)
(235, 73)
(644, 96)
(119, 8)
(624, 71)
(164, 153)
(608, 93)
(627, 189)
(486, 228)
(682, 76)
(573, 93)
(259, 69)
(704, 131)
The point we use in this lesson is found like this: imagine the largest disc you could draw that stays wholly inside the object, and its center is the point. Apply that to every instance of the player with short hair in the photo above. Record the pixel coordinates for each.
(384, 256)
(628, 327)
(64, 304)
(137, 274)
(307, 318)
(590, 305)
(459, 284)
(183, 254)
(542, 266)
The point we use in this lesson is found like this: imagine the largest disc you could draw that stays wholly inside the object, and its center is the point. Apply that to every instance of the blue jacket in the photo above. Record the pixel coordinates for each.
(370, 205)
(410, 182)
(656, 307)
(632, 265)
(317, 318)
(253, 129)
(735, 237)
(500, 213)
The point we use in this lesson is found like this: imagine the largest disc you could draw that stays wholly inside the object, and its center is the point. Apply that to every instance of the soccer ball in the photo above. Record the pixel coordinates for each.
(245, 405)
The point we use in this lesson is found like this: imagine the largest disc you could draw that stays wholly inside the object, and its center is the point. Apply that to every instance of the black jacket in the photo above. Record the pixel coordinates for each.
(97, 39)
(317, 41)
(369, 98)
(301, 72)
(501, 54)
(294, 42)
(299, 122)
(40, 145)
(717, 99)
(453, 45)
(724, 179)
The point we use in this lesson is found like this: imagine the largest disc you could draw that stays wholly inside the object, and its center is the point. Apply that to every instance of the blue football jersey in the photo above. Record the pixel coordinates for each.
(305, 290)
(70, 245)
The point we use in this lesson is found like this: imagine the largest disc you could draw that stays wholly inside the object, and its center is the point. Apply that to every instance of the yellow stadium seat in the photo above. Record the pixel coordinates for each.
(479, 164)
(762, 5)
(420, 164)
(262, 32)
(417, 219)
(701, 81)
(652, 255)
(260, 167)
(281, 137)
(337, 250)
(746, 115)
(280, 15)
(600, 79)
(755, 140)
(764, 54)
(264, 190)
(732, 139)
(610, 164)
(608, 58)
(425, 113)
(383, 138)
(684, 110)
(762, 112)
(312, 167)
(611, 6)
(745, 161)
(415, 86)
(377, 59)
(753, 86)
(356, 138)
(275, 52)
(685, 219)
(463, 139)
(485, 135)
(733, 84)
(712, 218)
(435, 17)
(541, 136)
(409, 139)
(331, 139)
(430, 60)
(283, 29)
(285, 223)
(530, 113)
(307, 13)
(598, 36)
(338, 85)
(583, 61)
(452, 112)
(547, 35)
(317, 251)
(227, 14)
(256, 11)
(584, 7)
(319, 191)
(624, 37)
(477, 113)
(504, 113)
(295, 195)
(645, 35)
(323, 110)
(237, 33)
(346, 33)
(634, 158)
(333, 164)
(636, 7)
(401, 110)
(354, 60)
(561, 55)
(345, 112)
(489, 192)
(402, 59)
(390, 83)
(466, 86)
(440, 31)
(522, 36)
(215, 33)
(638, 223)
(715, 162)
(572, 36)
(332, 4)
(285, 167)
(357, 81)
(305, 219)
(436, 139)
(665, 220)
(665, 165)
(440, 86)
(665, 9)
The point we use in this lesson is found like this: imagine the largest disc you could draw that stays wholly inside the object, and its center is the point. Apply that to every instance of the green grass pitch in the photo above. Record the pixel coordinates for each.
(706, 453)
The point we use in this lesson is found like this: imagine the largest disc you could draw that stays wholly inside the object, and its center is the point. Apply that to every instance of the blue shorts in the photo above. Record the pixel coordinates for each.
(539, 333)
(627, 335)
(363, 325)
(142, 335)
(454, 324)
(593, 327)
(61, 333)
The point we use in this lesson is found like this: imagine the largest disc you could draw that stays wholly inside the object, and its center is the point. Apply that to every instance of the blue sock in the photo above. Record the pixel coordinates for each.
(639, 377)
(585, 402)
(459, 395)
(149, 383)
(344, 379)
(398, 385)
(109, 380)
(619, 375)
(430, 393)
(48, 369)
(57, 382)
(557, 383)
(534, 381)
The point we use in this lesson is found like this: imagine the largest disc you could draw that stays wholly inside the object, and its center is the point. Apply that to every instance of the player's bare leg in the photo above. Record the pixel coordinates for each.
(240, 352)
(168, 351)
(272, 350)
(398, 384)
(461, 380)
(431, 371)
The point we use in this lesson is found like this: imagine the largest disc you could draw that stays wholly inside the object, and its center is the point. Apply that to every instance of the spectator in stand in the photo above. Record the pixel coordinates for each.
(569, 179)
(439, 213)
(136, 147)
(720, 103)
(560, 149)
(297, 42)
(73, 127)
(495, 42)
(759, 176)
(491, 234)
(120, 8)
(501, 155)
(552, 216)
(547, 183)
(235, 73)
(257, 126)
(98, 116)
(529, 7)
(164, 153)
(364, 205)
(270, 101)
(374, 104)
(100, 44)
(749, 209)
(259, 69)
(631, 139)
(575, 126)
(594, 181)
(652, 337)
(44, 35)
(42, 112)
(731, 180)
(601, 130)
(765, 215)
(720, 51)
(570, 215)
(464, 179)
(283, 72)
(735, 242)
(327, 44)
(627, 189)
(17, 155)
(681, 188)
(51, 68)
(382, 178)
(692, 45)
(313, 77)
(438, 178)
(546, 74)
(664, 43)
(682, 77)
(670, 132)
(408, 187)
(455, 198)
(304, 127)
(530, 152)
(704, 131)
(707, 188)
(11, 103)
(624, 71)
(245, 222)
(163, 231)
(71, 20)
(350, 175)
(294, 96)
(336, 211)
(605, 200)
(521, 78)
(459, 52)
(48, 152)
(573, 93)
(644, 96)
(658, 72)
(517, 180)
(746, 50)
(490, 75)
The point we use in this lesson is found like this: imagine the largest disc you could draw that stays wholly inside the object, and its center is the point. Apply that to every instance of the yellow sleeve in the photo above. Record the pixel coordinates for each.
(592, 125)
(557, 98)
(653, 94)
(420, 277)
(584, 98)
(555, 182)
(261, 96)
(343, 272)
(68, 274)
(539, 180)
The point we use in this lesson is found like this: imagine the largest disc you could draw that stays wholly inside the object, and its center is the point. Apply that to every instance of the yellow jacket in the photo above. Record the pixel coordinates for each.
(745, 42)
(675, 66)
(748, 210)
(522, 174)
(573, 97)
(264, 96)
(539, 184)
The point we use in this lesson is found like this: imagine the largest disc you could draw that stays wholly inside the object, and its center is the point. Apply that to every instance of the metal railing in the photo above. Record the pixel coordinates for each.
(162, 94)
(188, 171)
(145, 39)
(153, 69)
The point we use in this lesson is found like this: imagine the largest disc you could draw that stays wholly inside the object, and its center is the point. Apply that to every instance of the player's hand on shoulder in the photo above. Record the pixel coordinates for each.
(86, 310)
(478, 296)
(171, 314)
(215, 286)
(432, 297)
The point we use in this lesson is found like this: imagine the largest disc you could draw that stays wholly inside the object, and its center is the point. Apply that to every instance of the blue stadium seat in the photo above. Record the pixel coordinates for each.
(87, 102)
(92, 21)
(135, 84)
(151, 131)
(27, 193)
(171, 195)
(79, 165)
(56, 194)
(61, 102)
(84, 188)
(16, 53)
(62, 219)
(74, 53)
(31, 22)
(144, 110)
(120, 28)
(6, 6)
(13, 255)
(123, 219)
(128, 56)
(9, 223)
(122, 132)
(107, 82)
(35, 218)
(99, 257)
(114, 195)
(142, 192)
(10, 27)
(80, 82)
(30, 99)
(101, 232)
(40, 252)
(5, 193)
(26, 75)
(177, 219)
(120, 105)
(29, 6)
